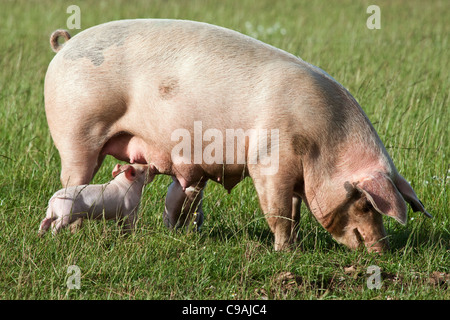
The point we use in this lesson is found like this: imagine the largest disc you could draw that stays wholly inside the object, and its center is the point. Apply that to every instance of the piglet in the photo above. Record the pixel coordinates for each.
(118, 199)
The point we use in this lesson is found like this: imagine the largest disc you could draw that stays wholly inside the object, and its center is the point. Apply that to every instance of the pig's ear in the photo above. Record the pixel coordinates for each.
(116, 170)
(384, 196)
(410, 196)
(130, 173)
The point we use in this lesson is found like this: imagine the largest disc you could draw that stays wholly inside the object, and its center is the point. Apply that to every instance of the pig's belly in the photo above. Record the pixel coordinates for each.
(132, 149)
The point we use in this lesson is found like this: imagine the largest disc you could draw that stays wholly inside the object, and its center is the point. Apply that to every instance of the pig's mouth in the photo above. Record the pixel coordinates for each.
(378, 246)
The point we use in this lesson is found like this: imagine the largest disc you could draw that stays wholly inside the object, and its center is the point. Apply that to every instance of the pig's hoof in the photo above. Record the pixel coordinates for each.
(285, 246)
(198, 220)
(76, 225)
(166, 221)
(194, 223)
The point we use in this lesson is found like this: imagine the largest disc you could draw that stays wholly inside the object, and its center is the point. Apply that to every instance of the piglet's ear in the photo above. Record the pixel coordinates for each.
(116, 170)
(130, 173)
(384, 196)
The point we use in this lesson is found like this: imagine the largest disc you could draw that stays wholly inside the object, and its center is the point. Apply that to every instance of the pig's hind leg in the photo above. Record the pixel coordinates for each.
(79, 166)
(80, 149)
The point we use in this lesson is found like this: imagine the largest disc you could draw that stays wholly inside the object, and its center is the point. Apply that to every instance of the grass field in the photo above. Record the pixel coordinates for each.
(400, 76)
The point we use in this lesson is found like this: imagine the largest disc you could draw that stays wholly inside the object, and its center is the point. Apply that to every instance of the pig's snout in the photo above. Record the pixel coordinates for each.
(353, 238)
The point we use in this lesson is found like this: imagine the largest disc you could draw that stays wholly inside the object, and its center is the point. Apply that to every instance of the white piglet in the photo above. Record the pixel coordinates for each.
(118, 199)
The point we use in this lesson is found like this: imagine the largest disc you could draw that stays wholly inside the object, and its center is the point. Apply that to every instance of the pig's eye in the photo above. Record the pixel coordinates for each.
(367, 206)
(363, 206)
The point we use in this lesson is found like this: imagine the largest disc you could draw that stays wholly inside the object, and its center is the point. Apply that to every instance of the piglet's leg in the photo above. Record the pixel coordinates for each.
(128, 223)
(184, 208)
(60, 223)
(46, 223)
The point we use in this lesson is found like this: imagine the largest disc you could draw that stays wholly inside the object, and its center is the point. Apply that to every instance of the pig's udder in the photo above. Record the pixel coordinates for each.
(125, 147)
(138, 158)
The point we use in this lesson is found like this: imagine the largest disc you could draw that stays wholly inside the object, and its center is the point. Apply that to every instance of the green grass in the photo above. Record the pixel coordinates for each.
(399, 74)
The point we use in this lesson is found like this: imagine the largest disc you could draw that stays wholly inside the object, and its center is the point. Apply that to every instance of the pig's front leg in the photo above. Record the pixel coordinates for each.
(276, 199)
(183, 208)
(296, 204)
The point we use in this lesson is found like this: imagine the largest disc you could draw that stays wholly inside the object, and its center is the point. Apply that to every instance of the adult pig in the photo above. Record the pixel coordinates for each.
(134, 88)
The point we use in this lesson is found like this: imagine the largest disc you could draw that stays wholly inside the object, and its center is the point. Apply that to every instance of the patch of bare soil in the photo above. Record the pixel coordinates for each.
(286, 284)
(439, 279)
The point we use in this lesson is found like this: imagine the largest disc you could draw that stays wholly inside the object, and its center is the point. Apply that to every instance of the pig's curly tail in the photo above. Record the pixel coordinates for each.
(54, 39)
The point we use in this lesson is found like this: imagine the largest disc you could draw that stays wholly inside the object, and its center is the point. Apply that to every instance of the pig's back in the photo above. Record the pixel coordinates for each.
(177, 42)
(167, 64)
(163, 68)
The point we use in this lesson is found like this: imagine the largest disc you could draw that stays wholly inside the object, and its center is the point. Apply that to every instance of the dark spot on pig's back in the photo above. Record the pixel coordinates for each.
(168, 88)
(92, 45)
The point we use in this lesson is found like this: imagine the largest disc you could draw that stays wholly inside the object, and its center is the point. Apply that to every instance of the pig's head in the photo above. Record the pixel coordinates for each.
(138, 173)
(357, 220)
